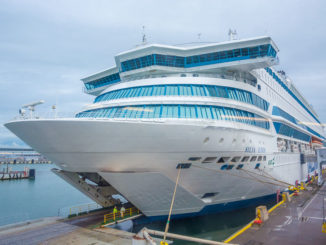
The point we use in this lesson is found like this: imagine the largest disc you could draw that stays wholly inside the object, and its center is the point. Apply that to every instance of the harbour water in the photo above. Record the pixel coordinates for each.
(25, 199)
(32, 199)
(216, 227)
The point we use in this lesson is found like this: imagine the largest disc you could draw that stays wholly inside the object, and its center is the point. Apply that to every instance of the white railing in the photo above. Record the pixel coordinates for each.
(192, 75)
(189, 75)
(45, 115)
(77, 210)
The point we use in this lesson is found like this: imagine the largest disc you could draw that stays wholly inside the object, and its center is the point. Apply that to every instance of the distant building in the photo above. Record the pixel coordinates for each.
(17, 155)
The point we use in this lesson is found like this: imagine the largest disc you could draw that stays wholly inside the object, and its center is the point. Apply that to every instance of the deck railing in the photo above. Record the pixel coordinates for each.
(112, 217)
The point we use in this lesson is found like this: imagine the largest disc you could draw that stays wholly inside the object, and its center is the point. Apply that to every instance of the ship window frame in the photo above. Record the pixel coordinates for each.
(209, 159)
(245, 159)
(194, 158)
(253, 159)
(224, 159)
(236, 159)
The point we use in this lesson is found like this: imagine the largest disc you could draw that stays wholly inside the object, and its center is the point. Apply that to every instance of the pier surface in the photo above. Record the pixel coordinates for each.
(77, 230)
(296, 222)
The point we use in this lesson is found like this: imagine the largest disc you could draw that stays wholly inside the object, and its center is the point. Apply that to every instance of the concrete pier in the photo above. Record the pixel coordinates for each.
(58, 231)
(296, 222)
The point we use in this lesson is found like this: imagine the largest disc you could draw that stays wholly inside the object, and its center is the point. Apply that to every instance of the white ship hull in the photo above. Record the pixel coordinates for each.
(139, 159)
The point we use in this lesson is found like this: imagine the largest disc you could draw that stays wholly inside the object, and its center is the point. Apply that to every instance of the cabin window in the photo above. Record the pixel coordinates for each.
(245, 159)
(194, 158)
(209, 159)
(235, 159)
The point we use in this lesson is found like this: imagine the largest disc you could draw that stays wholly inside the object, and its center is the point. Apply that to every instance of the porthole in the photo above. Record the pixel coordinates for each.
(206, 140)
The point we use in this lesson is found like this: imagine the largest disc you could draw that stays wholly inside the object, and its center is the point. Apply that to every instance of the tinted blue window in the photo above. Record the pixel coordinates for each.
(196, 60)
(222, 92)
(114, 78)
(279, 112)
(186, 90)
(212, 91)
(177, 111)
(290, 132)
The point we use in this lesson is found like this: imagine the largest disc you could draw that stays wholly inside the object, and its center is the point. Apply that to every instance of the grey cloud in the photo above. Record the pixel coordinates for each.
(47, 46)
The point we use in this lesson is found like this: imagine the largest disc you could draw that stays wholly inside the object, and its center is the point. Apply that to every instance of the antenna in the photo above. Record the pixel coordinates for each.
(233, 35)
(30, 107)
(144, 41)
(54, 109)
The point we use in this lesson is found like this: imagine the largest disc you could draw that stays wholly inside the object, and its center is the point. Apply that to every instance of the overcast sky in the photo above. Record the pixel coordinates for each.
(47, 46)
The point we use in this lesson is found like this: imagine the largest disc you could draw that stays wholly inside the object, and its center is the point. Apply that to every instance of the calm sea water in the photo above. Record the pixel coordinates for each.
(216, 227)
(25, 199)
(22, 200)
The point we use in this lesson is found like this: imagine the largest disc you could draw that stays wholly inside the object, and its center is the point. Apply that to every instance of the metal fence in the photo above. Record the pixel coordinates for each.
(129, 212)
(78, 210)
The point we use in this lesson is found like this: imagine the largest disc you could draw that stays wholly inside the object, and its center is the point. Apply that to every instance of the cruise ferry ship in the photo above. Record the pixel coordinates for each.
(237, 127)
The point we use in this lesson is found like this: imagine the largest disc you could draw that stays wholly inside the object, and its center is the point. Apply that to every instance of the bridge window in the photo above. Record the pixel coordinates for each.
(198, 60)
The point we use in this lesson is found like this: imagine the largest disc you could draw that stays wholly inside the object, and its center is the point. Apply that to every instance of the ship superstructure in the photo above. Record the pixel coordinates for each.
(238, 126)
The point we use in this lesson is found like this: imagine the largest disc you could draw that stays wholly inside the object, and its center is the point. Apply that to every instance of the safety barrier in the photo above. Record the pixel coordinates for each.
(112, 217)
(78, 210)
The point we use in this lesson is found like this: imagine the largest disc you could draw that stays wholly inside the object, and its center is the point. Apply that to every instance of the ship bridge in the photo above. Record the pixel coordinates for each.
(236, 56)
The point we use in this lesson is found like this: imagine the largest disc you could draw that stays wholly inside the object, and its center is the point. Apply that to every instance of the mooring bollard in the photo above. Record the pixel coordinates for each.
(31, 174)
